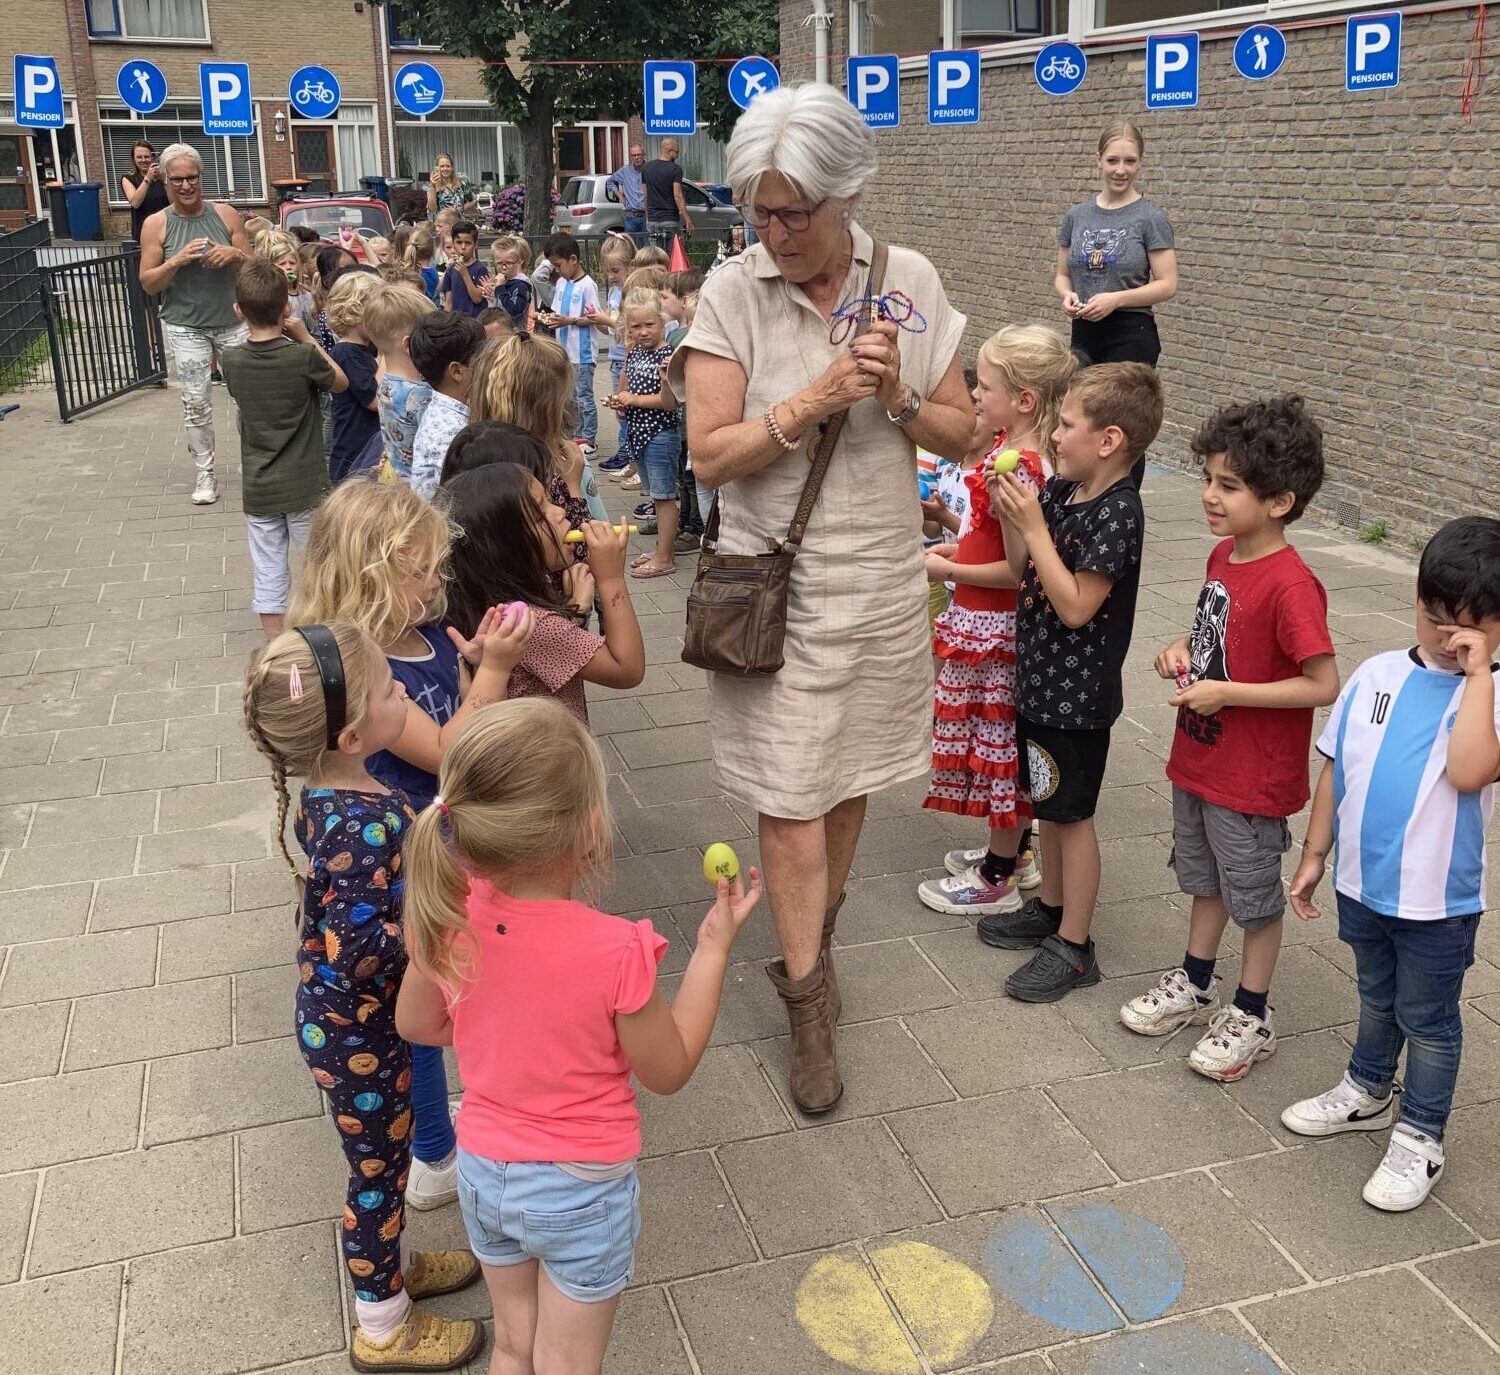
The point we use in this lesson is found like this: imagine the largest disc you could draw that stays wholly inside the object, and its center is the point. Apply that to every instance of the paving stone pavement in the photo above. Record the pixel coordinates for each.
(1002, 1187)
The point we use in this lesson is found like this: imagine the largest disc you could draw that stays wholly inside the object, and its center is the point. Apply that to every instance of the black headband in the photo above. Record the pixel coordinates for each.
(325, 652)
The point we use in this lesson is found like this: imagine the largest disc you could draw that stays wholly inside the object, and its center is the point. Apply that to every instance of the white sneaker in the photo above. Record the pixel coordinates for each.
(632, 483)
(1173, 1004)
(206, 489)
(431, 1186)
(1028, 873)
(1235, 1040)
(1344, 1108)
(969, 894)
(586, 449)
(1413, 1164)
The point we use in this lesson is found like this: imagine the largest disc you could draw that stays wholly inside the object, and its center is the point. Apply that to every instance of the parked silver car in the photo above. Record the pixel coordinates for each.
(590, 212)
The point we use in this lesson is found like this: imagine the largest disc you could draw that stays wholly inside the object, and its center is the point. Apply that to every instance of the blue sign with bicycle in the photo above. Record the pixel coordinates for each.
(1259, 52)
(314, 92)
(142, 86)
(419, 88)
(1060, 68)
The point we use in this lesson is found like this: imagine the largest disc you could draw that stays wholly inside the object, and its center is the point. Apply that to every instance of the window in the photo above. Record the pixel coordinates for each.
(470, 135)
(142, 20)
(1112, 13)
(232, 167)
(402, 30)
(999, 21)
(354, 127)
(700, 157)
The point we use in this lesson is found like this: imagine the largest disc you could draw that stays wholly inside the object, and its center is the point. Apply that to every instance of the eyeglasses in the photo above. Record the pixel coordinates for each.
(794, 218)
(185, 181)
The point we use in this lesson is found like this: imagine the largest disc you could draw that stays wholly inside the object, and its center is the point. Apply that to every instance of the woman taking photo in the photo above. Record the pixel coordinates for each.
(445, 191)
(765, 366)
(143, 187)
(1115, 260)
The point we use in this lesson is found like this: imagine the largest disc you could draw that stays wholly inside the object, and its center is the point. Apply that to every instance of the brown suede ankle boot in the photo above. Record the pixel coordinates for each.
(816, 1085)
(835, 1002)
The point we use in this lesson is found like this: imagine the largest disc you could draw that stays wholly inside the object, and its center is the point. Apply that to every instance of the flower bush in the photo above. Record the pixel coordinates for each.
(508, 212)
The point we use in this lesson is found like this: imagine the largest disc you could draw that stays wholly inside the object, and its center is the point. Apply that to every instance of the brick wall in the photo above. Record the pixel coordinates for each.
(1343, 246)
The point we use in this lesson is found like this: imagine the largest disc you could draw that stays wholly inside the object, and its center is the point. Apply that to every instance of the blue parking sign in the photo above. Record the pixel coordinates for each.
(225, 89)
(1172, 71)
(39, 98)
(953, 87)
(875, 89)
(750, 77)
(671, 98)
(1372, 52)
(1259, 52)
(142, 86)
(314, 92)
(419, 88)
(1060, 68)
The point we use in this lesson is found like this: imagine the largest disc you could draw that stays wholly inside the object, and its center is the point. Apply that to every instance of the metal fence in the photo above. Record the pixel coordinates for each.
(25, 359)
(701, 252)
(105, 337)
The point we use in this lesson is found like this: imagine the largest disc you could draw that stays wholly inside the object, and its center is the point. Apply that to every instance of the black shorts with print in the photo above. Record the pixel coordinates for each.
(1063, 770)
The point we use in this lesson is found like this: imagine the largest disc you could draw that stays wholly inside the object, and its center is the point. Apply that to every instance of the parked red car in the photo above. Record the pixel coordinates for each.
(330, 216)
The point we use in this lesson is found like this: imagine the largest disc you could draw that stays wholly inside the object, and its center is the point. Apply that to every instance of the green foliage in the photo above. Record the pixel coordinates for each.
(1374, 532)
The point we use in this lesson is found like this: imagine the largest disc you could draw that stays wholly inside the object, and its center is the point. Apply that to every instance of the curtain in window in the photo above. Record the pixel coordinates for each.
(700, 157)
(357, 157)
(475, 149)
(184, 127)
(163, 18)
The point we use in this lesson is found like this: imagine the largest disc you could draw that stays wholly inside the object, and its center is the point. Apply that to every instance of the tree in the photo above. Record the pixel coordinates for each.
(598, 46)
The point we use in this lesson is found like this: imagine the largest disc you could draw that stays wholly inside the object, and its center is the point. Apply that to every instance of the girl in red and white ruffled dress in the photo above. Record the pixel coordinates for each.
(1023, 373)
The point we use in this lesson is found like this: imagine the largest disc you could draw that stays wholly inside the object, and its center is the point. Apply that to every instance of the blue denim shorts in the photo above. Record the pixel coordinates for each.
(659, 465)
(584, 1234)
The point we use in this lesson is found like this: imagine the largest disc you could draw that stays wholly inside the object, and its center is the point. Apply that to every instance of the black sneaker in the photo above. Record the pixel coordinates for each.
(1054, 970)
(1019, 930)
(686, 543)
(646, 508)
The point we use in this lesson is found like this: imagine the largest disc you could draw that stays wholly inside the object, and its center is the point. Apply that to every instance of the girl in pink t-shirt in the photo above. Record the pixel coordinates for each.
(550, 1007)
(511, 547)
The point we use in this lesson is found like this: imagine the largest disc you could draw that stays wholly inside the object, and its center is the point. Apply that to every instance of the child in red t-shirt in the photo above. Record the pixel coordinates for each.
(1257, 662)
(550, 1007)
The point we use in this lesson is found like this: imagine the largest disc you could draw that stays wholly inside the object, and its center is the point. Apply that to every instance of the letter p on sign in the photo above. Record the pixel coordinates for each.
(39, 98)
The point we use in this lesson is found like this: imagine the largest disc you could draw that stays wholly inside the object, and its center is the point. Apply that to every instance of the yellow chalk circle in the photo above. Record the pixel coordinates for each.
(945, 1305)
(576, 536)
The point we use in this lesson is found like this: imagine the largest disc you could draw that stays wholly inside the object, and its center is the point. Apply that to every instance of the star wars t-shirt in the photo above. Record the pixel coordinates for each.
(1256, 622)
(1070, 679)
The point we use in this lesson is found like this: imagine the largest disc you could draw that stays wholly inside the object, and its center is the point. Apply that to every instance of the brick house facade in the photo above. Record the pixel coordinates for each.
(1345, 246)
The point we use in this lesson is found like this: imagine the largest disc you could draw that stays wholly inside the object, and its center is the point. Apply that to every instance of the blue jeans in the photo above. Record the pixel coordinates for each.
(1410, 976)
(432, 1139)
(658, 466)
(583, 399)
(635, 225)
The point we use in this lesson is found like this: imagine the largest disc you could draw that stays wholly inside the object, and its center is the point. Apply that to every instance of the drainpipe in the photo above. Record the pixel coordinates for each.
(821, 20)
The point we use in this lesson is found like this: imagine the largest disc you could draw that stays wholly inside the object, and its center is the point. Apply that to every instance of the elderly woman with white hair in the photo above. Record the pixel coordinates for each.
(190, 253)
(765, 367)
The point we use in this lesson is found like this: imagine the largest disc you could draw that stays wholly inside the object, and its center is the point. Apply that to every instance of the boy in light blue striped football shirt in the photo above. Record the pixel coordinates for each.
(1412, 752)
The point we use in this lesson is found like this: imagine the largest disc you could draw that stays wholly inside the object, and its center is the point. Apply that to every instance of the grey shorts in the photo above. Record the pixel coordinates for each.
(1219, 852)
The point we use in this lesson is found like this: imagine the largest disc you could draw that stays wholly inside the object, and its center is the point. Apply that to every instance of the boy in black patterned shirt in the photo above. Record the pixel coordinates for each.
(1077, 555)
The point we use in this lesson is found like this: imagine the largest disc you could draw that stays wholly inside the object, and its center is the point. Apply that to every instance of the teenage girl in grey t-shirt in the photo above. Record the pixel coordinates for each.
(1115, 259)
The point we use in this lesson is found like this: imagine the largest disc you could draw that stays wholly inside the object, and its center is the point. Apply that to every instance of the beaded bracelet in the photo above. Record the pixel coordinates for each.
(775, 430)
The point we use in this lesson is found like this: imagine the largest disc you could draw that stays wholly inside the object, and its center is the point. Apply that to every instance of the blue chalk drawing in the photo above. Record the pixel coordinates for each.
(1024, 1260)
(1139, 1265)
(1184, 1350)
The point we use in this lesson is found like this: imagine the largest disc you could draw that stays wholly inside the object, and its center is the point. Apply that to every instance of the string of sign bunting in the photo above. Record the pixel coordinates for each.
(1372, 61)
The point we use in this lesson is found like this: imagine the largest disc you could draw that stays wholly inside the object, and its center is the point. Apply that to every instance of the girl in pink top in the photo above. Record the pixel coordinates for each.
(550, 1007)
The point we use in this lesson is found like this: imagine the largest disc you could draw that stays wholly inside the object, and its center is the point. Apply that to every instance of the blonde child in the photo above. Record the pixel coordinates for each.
(653, 438)
(318, 703)
(513, 549)
(400, 241)
(391, 313)
(509, 258)
(550, 1006)
(526, 381)
(614, 259)
(1023, 375)
(378, 251)
(650, 256)
(421, 249)
(376, 555)
(442, 228)
(355, 418)
(278, 247)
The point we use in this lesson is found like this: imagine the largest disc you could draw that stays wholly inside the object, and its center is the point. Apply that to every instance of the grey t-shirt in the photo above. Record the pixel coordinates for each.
(1107, 249)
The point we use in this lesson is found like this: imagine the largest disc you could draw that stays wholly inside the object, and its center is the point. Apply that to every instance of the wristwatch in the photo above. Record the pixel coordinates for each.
(913, 405)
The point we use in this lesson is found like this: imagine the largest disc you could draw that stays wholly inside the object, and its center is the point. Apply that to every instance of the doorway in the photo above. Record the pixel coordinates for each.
(572, 152)
(17, 198)
(312, 147)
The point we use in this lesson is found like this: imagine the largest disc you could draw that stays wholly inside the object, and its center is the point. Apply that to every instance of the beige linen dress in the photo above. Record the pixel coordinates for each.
(851, 711)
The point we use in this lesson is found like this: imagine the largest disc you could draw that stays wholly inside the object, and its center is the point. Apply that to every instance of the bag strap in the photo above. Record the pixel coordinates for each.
(827, 436)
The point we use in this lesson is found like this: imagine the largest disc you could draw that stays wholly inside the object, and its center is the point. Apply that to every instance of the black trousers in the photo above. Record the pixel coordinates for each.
(1127, 336)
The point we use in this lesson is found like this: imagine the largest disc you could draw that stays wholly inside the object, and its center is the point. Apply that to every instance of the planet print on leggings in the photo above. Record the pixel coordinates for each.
(1113, 1262)
(314, 1037)
(368, 1102)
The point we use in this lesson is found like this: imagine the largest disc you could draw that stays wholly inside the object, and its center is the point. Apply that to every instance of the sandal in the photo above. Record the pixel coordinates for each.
(645, 570)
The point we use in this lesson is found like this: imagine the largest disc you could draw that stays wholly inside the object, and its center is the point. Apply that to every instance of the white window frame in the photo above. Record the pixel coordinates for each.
(122, 37)
(395, 47)
(333, 124)
(118, 202)
(502, 128)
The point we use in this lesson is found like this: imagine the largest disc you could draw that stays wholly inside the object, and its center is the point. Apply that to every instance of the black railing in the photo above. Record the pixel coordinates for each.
(105, 335)
(701, 252)
(24, 355)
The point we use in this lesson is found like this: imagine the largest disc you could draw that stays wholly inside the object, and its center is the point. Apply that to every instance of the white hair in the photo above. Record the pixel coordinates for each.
(811, 135)
(174, 152)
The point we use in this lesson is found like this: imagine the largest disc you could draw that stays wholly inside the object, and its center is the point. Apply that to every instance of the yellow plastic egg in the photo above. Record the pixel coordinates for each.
(1007, 460)
(719, 861)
